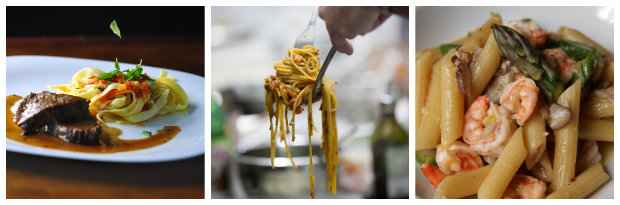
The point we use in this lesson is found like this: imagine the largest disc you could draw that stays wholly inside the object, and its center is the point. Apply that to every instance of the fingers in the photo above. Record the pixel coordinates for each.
(340, 43)
(344, 23)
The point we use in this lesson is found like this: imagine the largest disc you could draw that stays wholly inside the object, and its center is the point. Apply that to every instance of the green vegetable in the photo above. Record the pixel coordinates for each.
(135, 73)
(147, 133)
(517, 49)
(425, 157)
(115, 29)
(573, 49)
(112, 74)
(445, 48)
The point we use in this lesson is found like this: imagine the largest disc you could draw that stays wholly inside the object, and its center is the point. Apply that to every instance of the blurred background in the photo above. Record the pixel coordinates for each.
(372, 90)
(169, 37)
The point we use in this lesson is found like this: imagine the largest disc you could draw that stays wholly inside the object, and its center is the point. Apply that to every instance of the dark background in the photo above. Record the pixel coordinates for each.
(169, 37)
(133, 21)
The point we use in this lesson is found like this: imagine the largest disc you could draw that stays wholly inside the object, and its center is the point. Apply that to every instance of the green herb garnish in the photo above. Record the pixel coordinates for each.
(115, 29)
(445, 48)
(130, 74)
(135, 73)
(147, 133)
(112, 74)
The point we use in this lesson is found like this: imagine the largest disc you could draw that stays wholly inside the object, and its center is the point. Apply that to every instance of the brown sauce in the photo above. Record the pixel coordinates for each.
(114, 144)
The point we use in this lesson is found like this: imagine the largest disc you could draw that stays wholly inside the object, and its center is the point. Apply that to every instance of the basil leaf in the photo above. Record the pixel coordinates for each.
(115, 29)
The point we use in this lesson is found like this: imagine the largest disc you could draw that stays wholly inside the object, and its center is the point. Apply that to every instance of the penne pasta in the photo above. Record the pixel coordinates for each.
(506, 166)
(536, 139)
(597, 130)
(599, 105)
(424, 66)
(607, 151)
(452, 104)
(477, 38)
(462, 184)
(485, 67)
(566, 139)
(585, 184)
(428, 135)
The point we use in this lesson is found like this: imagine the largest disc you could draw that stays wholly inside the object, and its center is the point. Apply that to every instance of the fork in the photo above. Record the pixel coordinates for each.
(308, 35)
(307, 38)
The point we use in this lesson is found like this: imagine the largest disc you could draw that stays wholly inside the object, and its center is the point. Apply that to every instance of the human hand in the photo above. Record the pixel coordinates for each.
(347, 22)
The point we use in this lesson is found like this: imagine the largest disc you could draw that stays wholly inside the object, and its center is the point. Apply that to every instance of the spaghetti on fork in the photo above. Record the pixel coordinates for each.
(286, 91)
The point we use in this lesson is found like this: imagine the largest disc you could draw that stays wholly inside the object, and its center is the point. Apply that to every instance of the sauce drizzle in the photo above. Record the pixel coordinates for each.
(112, 135)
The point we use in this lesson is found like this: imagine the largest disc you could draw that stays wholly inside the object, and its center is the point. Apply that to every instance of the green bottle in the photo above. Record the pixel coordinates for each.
(390, 154)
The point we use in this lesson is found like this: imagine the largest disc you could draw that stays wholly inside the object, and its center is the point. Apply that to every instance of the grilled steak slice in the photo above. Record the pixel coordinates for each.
(60, 115)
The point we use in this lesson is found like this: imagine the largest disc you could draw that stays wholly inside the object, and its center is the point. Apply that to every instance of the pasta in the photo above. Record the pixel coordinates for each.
(485, 67)
(600, 104)
(504, 168)
(452, 104)
(536, 139)
(429, 131)
(126, 97)
(514, 111)
(586, 183)
(462, 184)
(598, 130)
(423, 76)
(286, 91)
(566, 139)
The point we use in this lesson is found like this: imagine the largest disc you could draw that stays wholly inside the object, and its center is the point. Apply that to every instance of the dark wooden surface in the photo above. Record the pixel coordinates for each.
(179, 53)
(30, 176)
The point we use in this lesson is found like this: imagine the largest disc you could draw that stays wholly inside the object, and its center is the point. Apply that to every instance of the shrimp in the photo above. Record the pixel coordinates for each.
(560, 60)
(520, 98)
(457, 157)
(525, 187)
(535, 35)
(558, 116)
(487, 127)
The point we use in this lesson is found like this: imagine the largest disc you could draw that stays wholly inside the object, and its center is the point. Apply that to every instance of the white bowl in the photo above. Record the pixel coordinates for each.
(437, 25)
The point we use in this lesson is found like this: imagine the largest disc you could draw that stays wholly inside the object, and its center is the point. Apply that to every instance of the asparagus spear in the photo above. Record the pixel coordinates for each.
(517, 49)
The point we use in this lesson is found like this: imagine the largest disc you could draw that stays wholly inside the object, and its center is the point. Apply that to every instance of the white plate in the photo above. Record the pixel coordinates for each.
(437, 25)
(27, 74)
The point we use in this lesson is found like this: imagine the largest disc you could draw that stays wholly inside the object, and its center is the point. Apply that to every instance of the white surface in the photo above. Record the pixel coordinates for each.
(27, 74)
(436, 25)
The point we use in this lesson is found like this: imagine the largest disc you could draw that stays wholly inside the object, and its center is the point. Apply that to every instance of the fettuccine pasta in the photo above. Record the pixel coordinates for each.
(128, 96)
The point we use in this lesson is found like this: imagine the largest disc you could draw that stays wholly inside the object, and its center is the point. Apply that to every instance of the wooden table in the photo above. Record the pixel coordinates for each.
(179, 53)
(30, 176)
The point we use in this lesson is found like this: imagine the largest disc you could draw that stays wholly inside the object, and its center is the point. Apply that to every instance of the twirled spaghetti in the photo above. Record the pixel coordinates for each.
(128, 96)
(286, 91)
